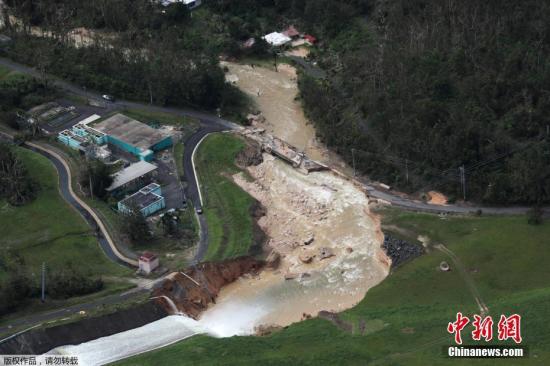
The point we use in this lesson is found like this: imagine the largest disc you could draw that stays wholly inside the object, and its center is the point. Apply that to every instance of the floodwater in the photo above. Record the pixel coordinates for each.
(321, 204)
(333, 212)
(274, 94)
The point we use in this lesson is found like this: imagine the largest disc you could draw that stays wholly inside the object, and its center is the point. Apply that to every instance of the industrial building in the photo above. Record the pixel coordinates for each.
(119, 131)
(147, 200)
(133, 136)
(136, 175)
(81, 135)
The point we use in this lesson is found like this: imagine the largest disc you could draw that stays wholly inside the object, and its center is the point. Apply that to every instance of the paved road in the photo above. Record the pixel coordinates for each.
(67, 194)
(64, 183)
(207, 119)
(41, 318)
(192, 191)
(210, 121)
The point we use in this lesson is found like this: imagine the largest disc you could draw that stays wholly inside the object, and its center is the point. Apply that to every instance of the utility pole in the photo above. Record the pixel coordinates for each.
(43, 299)
(353, 158)
(463, 180)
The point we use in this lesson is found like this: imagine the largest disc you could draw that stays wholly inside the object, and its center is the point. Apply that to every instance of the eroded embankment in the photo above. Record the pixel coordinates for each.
(191, 291)
(328, 242)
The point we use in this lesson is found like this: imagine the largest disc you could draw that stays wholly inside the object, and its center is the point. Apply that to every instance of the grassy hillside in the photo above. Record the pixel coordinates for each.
(227, 206)
(49, 230)
(406, 315)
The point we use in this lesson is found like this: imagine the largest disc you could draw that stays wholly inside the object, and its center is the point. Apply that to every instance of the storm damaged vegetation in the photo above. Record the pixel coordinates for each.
(16, 186)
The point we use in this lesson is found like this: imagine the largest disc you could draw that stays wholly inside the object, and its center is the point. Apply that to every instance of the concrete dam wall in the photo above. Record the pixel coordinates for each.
(42, 340)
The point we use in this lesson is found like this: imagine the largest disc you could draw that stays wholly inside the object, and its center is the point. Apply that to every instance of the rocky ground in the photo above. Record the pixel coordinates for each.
(400, 251)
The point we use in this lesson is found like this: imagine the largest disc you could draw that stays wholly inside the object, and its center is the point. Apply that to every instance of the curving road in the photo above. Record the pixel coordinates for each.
(193, 190)
(65, 189)
(214, 123)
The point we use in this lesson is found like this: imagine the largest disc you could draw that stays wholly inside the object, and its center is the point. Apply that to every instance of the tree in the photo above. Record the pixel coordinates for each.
(16, 186)
(97, 177)
(70, 281)
(135, 227)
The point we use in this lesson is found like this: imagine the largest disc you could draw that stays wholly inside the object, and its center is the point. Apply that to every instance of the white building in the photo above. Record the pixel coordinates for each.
(191, 4)
(148, 262)
(276, 39)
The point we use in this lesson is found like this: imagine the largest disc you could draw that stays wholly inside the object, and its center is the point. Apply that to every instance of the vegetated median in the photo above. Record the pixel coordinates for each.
(47, 230)
(404, 319)
(227, 207)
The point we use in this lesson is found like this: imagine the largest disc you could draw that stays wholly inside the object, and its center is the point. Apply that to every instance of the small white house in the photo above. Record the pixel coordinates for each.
(276, 39)
(191, 4)
(148, 262)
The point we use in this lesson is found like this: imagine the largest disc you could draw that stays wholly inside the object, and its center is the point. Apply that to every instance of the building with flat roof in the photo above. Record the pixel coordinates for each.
(191, 4)
(276, 39)
(147, 200)
(80, 135)
(133, 136)
(136, 173)
(148, 262)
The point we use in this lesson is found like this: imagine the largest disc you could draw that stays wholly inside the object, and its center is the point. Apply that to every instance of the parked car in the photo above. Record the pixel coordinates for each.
(108, 97)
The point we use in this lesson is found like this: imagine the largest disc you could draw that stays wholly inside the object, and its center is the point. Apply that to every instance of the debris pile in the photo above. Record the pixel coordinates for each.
(251, 155)
(400, 251)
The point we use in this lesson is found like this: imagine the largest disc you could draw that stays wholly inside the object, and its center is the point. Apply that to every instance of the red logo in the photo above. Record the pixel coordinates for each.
(457, 326)
(508, 328)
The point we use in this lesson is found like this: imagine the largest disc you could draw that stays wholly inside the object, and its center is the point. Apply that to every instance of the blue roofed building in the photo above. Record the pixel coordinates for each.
(133, 136)
(147, 200)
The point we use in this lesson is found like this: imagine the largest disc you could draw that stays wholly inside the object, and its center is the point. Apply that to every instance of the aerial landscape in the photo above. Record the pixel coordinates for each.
(278, 182)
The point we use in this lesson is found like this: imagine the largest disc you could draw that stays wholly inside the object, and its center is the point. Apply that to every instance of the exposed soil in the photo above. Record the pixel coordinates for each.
(250, 155)
(191, 291)
(299, 51)
(437, 198)
(275, 95)
(324, 239)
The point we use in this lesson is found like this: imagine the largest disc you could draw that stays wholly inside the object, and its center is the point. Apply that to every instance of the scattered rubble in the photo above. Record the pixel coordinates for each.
(306, 257)
(400, 251)
(251, 155)
(273, 260)
(325, 253)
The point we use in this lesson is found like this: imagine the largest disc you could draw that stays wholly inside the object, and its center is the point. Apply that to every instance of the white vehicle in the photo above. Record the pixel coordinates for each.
(108, 97)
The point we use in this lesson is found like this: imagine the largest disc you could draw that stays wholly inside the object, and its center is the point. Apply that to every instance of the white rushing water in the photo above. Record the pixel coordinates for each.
(132, 342)
(230, 320)
(270, 298)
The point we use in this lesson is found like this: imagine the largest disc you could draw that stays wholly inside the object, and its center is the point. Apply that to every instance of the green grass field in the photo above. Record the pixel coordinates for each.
(407, 314)
(227, 206)
(49, 230)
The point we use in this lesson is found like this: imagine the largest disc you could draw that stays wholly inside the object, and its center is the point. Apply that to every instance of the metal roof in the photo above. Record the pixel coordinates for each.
(130, 131)
(131, 173)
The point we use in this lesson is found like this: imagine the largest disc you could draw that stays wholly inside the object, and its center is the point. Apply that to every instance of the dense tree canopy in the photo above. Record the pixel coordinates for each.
(424, 87)
(417, 89)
